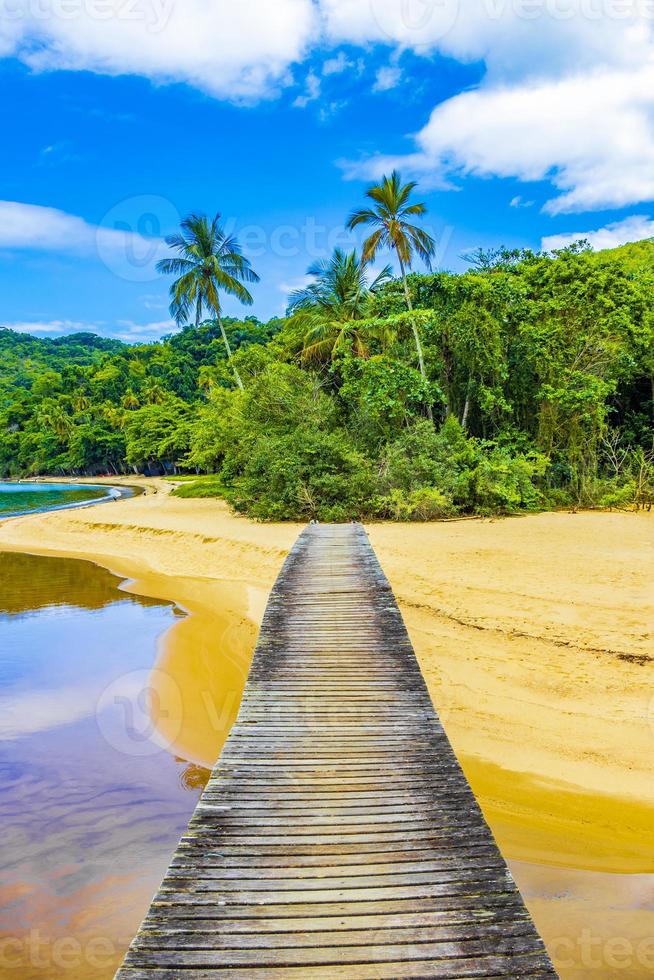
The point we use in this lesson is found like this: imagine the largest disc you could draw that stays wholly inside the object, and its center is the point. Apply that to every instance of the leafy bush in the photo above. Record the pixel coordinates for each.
(500, 482)
(303, 475)
(424, 504)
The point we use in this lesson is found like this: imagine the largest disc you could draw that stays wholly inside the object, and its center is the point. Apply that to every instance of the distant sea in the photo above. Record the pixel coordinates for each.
(28, 498)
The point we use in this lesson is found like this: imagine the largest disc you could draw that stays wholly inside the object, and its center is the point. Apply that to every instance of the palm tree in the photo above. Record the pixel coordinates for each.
(54, 416)
(130, 401)
(329, 310)
(392, 231)
(209, 261)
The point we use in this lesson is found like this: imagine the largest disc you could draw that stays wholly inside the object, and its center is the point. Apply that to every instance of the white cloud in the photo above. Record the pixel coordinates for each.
(513, 37)
(519, 202)
(568, 94)
(126, 330)
(232, 50)
(632, 229)
(35, 227)
(51, 326)
(27, 713)
(387, 78)
(126, 254)
(312, 91)
(31, 226)
(143, 333)
(244, 50)
(591, 135)
(336, 65)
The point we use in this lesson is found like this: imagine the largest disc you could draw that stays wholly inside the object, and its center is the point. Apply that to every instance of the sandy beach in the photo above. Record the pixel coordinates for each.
(534, 635)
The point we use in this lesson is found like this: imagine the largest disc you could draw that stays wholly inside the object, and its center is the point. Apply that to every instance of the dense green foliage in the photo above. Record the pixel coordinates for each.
(539, 377)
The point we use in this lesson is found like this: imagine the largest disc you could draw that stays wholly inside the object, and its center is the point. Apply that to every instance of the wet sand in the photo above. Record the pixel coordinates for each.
(535, 637)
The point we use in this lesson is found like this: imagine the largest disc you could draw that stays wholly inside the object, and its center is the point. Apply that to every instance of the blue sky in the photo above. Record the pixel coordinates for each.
(526, 122)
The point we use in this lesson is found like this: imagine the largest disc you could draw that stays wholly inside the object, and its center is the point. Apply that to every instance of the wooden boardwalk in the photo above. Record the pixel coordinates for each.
(337, 837)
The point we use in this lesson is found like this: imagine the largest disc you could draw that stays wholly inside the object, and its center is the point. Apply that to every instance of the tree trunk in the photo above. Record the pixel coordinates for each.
(229, 350)
(414, 328)
(198, 311)
(466, 407)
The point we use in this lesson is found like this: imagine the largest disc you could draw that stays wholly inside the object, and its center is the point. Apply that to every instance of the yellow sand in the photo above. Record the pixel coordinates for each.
(535, 637)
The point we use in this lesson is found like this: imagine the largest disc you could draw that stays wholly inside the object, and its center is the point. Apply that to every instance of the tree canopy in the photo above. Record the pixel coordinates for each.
(538, 374)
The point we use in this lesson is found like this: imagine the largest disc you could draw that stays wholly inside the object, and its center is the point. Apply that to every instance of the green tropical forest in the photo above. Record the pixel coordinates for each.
(526, 382)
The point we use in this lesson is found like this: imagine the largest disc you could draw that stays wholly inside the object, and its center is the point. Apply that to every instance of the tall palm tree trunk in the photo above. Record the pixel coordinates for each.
(466, 407)
(228, 350)
(414, 328)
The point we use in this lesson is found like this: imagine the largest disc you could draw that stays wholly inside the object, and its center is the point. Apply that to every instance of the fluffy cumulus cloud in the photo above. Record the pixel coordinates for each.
(233, 50)
(592, 136)
(632, 229)
(128, 254)
(568, 94)
(512, 37)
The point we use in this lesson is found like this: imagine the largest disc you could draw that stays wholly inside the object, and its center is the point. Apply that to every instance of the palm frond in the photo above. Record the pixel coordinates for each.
(363, 216)
(373, 243)
(381, 278)
(174, 267)
(209, 261)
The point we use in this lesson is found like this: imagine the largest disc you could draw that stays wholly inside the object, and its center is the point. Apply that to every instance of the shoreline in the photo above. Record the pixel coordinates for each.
(477, 628)
(162, 548)
(120, 492)
(534, 637)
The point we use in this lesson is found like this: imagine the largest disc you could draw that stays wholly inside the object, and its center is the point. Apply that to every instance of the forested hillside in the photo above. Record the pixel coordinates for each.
(537, 391)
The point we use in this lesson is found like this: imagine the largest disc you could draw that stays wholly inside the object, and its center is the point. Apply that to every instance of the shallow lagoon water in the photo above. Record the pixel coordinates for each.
(29, 498)
(91, 803)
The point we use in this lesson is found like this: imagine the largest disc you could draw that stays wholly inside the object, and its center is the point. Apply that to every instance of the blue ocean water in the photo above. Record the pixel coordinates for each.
(27, 498)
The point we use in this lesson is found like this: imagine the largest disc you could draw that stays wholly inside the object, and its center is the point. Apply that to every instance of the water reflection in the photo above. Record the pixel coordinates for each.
(87, 829)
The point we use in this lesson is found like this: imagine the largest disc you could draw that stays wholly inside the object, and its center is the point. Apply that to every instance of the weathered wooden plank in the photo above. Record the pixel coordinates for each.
(190, 939)
(337, 836)
(462, 921)
(499, 968)
(334, 955)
